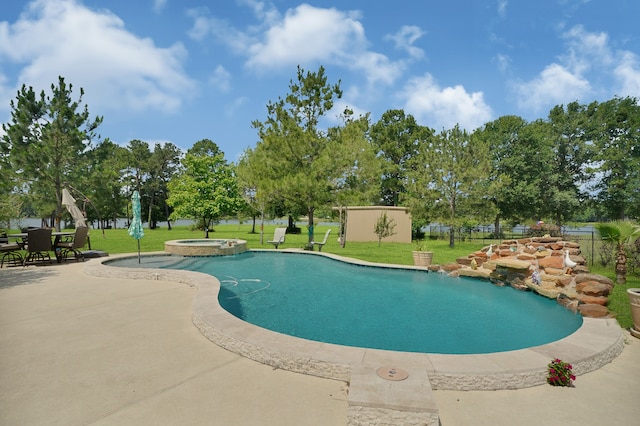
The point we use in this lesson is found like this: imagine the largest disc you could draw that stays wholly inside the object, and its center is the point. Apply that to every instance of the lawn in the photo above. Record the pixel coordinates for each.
(118, 241)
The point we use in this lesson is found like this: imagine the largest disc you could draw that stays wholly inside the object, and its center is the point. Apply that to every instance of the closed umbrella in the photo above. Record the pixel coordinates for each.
(135, 229)
(70, 203)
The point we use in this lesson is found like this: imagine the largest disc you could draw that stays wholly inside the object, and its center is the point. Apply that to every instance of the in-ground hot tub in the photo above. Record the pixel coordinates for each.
(205, 247)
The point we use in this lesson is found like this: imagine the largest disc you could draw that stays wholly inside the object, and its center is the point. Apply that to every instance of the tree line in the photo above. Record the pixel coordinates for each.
(581, 162)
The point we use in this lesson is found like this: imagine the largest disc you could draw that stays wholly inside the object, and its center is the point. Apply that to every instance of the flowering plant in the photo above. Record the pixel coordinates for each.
(560, 373)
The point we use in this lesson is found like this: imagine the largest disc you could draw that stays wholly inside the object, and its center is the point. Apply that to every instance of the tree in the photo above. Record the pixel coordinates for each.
(163, 164)
(521, 170)
(47, 140)
(622, 234)
(205, 190)
(502, 136)
(570, 131)
(358, 169)
(384, 227)
(301, 157)
(104, 182)
(452, 172)
(254, 184)
(396, 137)
(205, 147)
(617, 141)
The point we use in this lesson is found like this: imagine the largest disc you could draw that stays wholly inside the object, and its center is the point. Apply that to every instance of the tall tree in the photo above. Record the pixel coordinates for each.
(358, 169)
(453, 171)
(205, 190)
(255, 185)
(104, 182)
(138, 164)
(570, 131)
(301, 156)
(47, 139)
(617, 140)
(163, 164)
(502, 136)
(205, 147)
(396, 137)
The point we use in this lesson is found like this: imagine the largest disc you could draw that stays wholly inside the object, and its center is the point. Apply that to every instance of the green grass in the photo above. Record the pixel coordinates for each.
(117, 241)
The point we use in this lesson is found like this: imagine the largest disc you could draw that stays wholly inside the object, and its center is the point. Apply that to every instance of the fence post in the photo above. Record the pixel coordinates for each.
(593, 249)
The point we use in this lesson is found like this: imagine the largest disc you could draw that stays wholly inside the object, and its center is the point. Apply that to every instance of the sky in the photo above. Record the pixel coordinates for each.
(184, 70)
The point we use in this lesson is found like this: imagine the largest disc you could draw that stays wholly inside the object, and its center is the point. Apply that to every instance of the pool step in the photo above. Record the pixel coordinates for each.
(376, 400)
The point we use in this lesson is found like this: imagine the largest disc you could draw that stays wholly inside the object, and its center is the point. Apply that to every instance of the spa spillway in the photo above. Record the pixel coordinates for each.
(205, 247)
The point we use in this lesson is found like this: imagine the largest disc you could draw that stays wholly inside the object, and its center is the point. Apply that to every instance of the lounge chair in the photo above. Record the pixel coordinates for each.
(278, 237)
(321, 244)
(38, 246)
(77, 242)
(10, 252)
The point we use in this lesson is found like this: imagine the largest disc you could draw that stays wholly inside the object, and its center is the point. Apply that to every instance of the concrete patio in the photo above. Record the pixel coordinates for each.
(77, 350)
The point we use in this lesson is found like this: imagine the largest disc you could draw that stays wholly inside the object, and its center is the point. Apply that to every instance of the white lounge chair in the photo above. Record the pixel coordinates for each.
(321, 244)
(278, 237)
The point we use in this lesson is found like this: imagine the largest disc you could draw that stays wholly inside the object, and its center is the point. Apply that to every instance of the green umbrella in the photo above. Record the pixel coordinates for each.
(135, 229)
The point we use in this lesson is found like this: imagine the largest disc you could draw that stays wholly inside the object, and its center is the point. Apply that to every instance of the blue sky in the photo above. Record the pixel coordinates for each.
(183, 70)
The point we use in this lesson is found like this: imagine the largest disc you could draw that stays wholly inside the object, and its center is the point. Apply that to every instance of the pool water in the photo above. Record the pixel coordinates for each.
(327, 300)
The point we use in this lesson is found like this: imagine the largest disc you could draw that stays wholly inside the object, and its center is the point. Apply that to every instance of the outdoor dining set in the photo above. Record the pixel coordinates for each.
(33, 246)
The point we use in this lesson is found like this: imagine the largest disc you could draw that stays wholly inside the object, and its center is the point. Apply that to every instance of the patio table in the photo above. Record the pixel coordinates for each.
(57, 236)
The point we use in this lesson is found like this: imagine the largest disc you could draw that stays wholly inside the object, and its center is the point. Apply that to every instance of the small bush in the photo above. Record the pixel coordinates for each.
(542, 230)
(560, 373)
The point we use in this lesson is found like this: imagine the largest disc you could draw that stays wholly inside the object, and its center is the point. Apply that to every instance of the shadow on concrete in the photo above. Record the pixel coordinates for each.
(23, 275)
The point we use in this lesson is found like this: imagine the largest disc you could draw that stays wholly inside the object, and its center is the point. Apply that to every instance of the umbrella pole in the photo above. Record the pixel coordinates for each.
(138, 251)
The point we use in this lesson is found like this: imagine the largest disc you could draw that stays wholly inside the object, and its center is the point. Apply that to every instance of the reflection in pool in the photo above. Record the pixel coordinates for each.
(323, 299)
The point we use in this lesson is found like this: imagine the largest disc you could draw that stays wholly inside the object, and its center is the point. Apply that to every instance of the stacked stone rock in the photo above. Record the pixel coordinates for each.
(513, 263)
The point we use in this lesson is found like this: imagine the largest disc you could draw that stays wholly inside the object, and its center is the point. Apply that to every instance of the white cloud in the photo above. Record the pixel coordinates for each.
(405, 38)
(440, 108)
(628, 74)
(159, 5)
(503, 61)
(502, 8)
(586, 49)
(587, 56)
(555, 85)
(92, 49)
(308, 34)
(221, 79)
(305, 36)
(588, 67)
(231, 108)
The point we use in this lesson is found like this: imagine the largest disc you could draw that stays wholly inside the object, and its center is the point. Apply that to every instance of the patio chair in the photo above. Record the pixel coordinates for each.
(278, 237)
(10, 252)
(38, 246)
(78, 241)
(321, 244)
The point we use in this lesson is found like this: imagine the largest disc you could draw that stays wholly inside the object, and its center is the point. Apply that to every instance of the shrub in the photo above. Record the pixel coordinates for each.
(542, 230)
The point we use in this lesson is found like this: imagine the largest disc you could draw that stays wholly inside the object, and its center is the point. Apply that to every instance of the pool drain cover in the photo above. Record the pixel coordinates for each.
(392, 373)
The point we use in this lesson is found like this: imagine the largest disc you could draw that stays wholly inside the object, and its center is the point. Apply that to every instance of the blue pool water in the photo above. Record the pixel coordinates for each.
(326, 300)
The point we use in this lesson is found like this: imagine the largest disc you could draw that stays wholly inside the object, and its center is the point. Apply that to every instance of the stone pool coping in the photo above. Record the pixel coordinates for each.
(205, 247)
(596, 343)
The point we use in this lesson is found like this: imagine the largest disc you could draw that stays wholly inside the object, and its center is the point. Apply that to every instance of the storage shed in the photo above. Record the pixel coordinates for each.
(359, 222)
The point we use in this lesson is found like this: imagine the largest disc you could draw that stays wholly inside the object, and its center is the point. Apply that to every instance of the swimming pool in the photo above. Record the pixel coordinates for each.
(327, 300)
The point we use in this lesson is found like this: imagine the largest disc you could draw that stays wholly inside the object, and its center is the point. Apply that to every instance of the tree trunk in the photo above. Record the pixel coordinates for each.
(496, 227)
(166, 213)
(452, 236)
